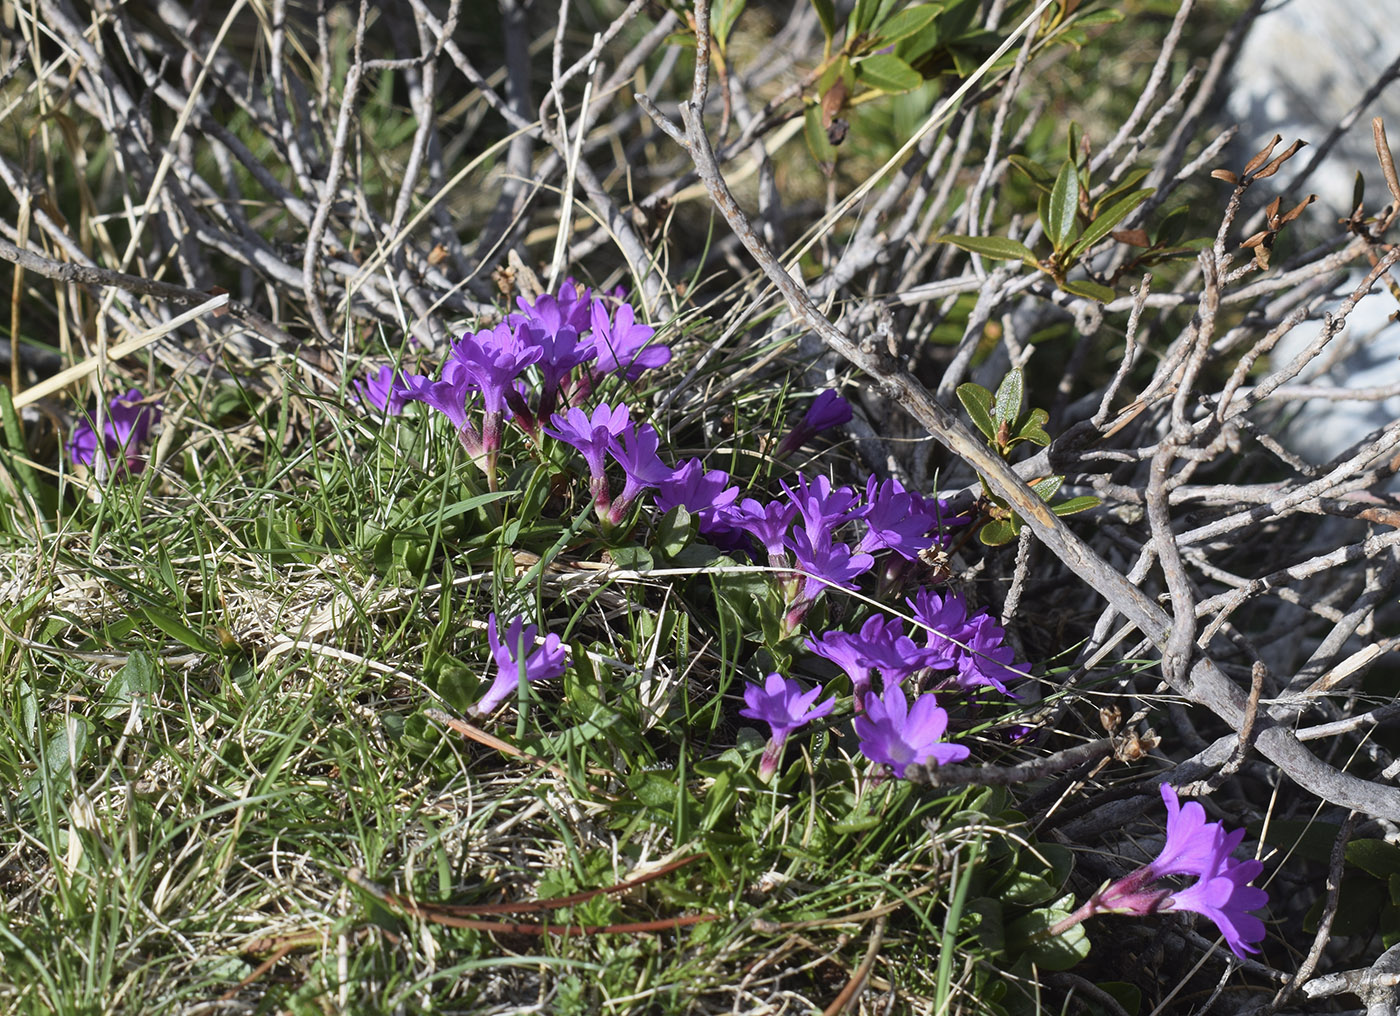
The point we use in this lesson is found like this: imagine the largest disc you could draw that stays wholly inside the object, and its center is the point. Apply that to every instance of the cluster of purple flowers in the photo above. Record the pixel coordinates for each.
(125, 429)
(556, 348)
(1193, 848)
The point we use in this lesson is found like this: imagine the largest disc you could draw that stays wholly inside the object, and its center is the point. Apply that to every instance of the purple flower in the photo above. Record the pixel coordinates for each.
(1193, 847)
(768, 523)
(384, 389)
(1225, 897)
(1191, 841)
(124, 430)
(701, 493)
(494, 359)
(823, 509)
(826, 563)
(592, 436)
(635, 450)
(622, 343)
(519, 645)
(560, 353)
(897, 520)
(449, 395)
(551, 314)
(880, 645)
(783, 705)
(987, 658)
(974, 646)
(897, 735)
(827, 410)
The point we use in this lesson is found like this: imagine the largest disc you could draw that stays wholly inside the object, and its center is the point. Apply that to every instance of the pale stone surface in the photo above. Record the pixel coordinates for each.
(1305, 65)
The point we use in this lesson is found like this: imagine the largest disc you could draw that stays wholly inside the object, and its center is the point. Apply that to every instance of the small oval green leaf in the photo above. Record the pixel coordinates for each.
(1009, 395)
(1064, 204)
(904, 24)
(888, 73)
(1076, 504)
(978, 403)
(1090, 290)
(999, 248)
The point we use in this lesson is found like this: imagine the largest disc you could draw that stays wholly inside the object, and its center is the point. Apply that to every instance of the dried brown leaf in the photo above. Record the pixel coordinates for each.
(1262, 155)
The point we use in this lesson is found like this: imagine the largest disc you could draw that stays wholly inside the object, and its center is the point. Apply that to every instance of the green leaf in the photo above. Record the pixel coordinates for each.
(1095, 18)
(826, 14)
(907, 22)
(1075, 143)
(1089, 289)
(1009, 395)
(137, 677)
(673, 534)
(888, 73)
(1172, 227)
(1059, 953)
(178, 630)
(632, 556)
(1076, 504)
(861, 17)
(997, 533)
(1032, 429)
(1122, 187)
(14, 441)
(65, 748)
(978, 403)
(1375, 857)
(817, 143)
(1064, 205)
(1103, 224)
(726, 12)
(998, 248)
(1045, 489)
(1040, 177)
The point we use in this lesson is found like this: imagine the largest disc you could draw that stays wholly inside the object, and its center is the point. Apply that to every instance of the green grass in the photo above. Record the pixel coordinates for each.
(219, 673)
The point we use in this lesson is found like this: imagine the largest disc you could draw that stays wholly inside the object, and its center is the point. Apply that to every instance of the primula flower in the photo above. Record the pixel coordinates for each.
(124, 430)
(825, 563)
(897, 519)
(519, 644)
(701, 493)
(449, 395)
(1193, 847)
(783, 705)
(974, 646)
(622, 344)
(551, 314)
(591, 435)
(880, 645)
(494, 359)
(768, 523)
(893, 733)
(822, 508)
(635, 450)
(561, 351)
(827, 410)
(383, 389)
